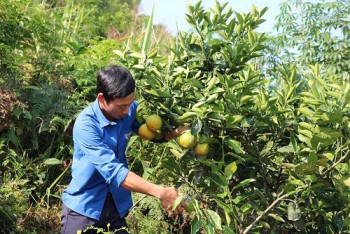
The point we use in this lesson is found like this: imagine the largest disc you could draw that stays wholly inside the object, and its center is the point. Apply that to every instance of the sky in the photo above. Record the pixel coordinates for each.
(172, 12)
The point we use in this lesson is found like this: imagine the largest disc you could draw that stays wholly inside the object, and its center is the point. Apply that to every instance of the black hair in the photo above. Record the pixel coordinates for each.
(115, 82)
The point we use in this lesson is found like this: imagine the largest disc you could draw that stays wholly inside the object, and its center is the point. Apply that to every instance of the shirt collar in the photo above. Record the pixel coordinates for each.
(100, 116)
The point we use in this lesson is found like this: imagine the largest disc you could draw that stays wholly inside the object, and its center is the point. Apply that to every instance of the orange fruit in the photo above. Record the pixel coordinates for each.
(145, 133)
(201, 149)
(186, 140)
(154, 122)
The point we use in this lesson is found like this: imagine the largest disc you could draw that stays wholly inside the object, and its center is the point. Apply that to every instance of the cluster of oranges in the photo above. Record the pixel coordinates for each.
(152, 128)
(187, 141)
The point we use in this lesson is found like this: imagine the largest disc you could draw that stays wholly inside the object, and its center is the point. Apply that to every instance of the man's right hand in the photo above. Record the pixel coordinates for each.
(167, 198)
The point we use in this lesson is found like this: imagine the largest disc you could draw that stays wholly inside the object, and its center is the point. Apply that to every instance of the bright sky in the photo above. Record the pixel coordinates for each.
(172, 12)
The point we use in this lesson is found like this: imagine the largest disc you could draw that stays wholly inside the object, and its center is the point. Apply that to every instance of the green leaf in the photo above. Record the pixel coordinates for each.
(228, 219)
(288, 165)
(233, 120)
(234, 145)
(198, 104)
(310, 101)
(119, 53)
(219, 179)
(329, 155)
(196, 127)
(195, 226)
(190, 205)
(267, 148)
(276, 217)
(177, 202)
(286, 149)
(215, 218)
(230, 169)
(130, 142)
(147, 171)
(246, 207)
(293, 211)
(164, 94)
(296, 182)
(336, 116)
(338, 220)
(306, 126)
(312, 159)
(52, 161)
(212, 81)
(195, 48)
(17, 112)
(138, 67)
(305, 111)
(12, 137)
(243, 183)
(176, 153)
(265, 225)
(335, 86)
(322, 140)
(31, 87)
(158, 93)
(212, 97)
(304, 139)
(148, 33)
(245, 99)
(195, 83)
(187, 115)
(136, 55)
(251, 38)
(306, 133)
(239, 17)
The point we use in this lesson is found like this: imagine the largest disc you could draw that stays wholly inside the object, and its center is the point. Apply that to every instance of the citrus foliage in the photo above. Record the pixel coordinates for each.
(278, 148)
(278, 153)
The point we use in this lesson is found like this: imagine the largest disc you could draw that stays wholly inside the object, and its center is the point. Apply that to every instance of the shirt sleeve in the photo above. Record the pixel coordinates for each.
(87, 138)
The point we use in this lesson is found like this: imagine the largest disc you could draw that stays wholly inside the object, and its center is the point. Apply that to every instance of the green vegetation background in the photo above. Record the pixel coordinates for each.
(275, 110)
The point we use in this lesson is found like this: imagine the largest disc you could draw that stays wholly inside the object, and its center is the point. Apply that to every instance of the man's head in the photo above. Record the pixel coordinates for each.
(115, 82)
(115, 91)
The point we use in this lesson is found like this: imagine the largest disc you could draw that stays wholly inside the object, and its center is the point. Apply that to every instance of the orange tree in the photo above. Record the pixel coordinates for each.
(278, 148)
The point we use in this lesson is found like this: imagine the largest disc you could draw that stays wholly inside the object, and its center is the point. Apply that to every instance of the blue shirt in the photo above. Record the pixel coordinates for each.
(99, 162)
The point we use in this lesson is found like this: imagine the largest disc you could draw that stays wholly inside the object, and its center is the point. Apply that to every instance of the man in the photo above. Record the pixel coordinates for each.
(100, 190)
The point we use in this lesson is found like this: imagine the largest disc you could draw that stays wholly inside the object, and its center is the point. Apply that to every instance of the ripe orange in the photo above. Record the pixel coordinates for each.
(146, 133)
(201, 149)
(186, 140)
(154, 122)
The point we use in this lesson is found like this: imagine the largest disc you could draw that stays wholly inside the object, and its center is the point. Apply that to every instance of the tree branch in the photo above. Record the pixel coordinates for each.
(271, 206)
(334, 165)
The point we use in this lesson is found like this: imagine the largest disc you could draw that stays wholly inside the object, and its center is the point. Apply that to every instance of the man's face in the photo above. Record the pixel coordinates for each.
(117, 108)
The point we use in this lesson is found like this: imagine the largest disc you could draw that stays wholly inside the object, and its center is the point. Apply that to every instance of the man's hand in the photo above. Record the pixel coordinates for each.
(168, 197)
(176, 132)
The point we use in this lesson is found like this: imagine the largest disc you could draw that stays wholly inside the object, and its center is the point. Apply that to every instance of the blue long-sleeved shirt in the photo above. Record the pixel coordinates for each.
(99, 162)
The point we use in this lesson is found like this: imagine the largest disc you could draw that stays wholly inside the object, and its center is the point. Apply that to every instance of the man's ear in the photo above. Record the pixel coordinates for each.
(100, 97)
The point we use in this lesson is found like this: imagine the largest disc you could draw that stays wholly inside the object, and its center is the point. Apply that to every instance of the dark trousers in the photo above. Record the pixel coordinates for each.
(72, 222)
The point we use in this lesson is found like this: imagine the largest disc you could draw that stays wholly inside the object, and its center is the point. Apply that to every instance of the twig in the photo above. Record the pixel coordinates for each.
(334, 165)
(271, 206)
